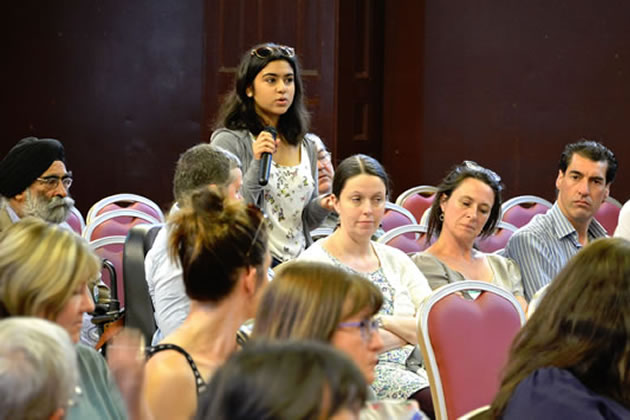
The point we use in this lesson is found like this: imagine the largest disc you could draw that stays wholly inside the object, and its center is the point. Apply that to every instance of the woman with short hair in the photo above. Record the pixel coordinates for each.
(46, 271)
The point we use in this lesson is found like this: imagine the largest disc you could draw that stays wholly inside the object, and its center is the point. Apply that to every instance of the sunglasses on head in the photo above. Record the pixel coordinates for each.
(267, 51)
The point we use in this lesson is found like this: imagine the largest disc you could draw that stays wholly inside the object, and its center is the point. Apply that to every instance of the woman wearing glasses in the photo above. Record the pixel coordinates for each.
(359, 196)
(265, 113)
(222, 246)
(318, 301)
(467, 205)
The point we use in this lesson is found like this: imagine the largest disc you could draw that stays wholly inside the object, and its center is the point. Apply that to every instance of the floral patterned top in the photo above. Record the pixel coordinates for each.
(392, 378)
(289, 190)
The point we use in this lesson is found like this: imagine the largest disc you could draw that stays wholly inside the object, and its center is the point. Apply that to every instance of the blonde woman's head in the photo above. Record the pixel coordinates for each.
(44, 272)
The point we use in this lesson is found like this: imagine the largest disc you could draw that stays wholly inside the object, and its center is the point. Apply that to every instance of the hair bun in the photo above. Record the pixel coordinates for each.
(208, 200)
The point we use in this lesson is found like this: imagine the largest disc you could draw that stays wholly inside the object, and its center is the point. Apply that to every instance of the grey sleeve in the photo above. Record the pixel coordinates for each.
(232, 142)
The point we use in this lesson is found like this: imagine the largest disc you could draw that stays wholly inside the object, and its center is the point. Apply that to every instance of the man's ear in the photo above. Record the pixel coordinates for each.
(606, 193)
(559, 178)
(20, 198)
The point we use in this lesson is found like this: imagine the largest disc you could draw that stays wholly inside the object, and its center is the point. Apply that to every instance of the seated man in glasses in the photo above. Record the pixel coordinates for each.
(34, 182)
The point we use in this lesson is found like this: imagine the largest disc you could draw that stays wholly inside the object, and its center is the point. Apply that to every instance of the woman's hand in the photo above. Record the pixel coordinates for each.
(125, 357)
(264, 143)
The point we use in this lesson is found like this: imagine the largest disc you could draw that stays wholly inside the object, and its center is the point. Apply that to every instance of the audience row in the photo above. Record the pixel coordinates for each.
(246, 203)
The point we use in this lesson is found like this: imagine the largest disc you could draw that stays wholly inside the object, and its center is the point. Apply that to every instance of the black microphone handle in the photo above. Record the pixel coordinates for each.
(265, 160)
(265, 169)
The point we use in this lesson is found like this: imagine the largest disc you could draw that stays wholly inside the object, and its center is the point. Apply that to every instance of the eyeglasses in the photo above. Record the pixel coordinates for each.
(51, 182)
(267, 51)
(494, 177)
(367, 327)
(323, 156)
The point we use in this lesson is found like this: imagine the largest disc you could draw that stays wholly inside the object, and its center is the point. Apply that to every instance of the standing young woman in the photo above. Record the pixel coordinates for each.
(268, 98)
(359, 196)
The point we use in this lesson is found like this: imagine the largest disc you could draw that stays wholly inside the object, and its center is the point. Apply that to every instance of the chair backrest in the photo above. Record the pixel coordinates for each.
(116, 223)
(407, 238)
(396, 216)
(125, 201)
(139, 307)
(608, 214)
(518, 211)
(321, 232)
(498, 239)
(417, 199)
(465, 344)
(76, 221)
(111, 248)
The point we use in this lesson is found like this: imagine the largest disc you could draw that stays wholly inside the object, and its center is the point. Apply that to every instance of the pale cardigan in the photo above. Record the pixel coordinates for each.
(409, 284)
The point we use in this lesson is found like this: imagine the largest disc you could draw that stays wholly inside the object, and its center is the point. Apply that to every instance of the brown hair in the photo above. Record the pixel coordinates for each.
(307, 300)
(214, 238)
(581, 325)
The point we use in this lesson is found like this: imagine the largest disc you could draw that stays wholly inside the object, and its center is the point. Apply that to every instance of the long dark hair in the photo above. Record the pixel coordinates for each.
(581, 325)
(238, 111)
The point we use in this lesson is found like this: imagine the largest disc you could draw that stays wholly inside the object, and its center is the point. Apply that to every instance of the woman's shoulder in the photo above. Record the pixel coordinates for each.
(226, 134)
(90, 358)
(557, 393)
(425, 258)
(315, 252)
(505, 264)
(390, 252)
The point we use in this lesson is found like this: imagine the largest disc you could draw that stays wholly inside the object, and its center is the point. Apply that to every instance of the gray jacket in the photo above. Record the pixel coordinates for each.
(239, 142)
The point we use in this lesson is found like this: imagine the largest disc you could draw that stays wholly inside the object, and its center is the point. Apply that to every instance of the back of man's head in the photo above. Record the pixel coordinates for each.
(199, 166)
(590, 150)
(26, 161)
(38, 368)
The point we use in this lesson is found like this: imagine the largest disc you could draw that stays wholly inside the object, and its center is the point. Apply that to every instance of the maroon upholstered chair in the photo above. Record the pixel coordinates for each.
(408, 238)
(417, 199)
(498, 239)
(125, 201)
(518, 211)
(76, 221)
(465, 343)
(396, 216)
(608, 214)
(116, 223)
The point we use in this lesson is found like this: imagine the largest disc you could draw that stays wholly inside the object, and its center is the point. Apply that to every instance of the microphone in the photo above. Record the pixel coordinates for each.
(265, 160)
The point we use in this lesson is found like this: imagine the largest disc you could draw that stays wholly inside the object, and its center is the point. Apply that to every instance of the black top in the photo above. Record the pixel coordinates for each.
(199, 382)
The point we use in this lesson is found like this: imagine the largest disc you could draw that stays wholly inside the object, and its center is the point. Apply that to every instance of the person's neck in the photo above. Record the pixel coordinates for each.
(580, 226)
(16, 206)
(210, 329)
(448, 246)
(343, 246)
